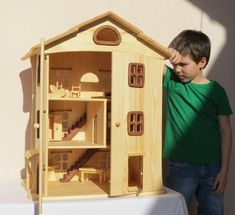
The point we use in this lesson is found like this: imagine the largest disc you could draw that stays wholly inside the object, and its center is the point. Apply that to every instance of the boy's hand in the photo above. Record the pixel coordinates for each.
(220, 183)
(175, 57)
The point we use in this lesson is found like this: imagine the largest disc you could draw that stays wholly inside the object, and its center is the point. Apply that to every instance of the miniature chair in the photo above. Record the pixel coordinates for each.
(75, 92)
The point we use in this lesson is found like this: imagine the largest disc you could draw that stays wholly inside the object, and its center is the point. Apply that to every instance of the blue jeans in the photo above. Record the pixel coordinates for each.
(189, 179)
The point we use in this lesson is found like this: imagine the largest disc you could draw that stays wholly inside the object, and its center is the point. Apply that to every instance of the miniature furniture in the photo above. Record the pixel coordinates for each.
(111, 121)
(76, 91)
(58, 91)
(85, 171)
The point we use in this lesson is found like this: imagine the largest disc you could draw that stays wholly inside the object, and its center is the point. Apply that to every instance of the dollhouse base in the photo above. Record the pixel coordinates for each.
(87, 190)
(76, 189)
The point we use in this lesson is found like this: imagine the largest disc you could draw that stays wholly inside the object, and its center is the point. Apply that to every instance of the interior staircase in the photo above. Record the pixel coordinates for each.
(76, 128)
(72, 171)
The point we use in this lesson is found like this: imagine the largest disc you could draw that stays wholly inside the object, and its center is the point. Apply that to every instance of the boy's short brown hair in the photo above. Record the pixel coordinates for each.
(194, 43)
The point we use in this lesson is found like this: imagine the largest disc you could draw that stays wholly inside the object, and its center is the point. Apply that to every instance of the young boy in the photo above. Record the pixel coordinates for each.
(198, 133)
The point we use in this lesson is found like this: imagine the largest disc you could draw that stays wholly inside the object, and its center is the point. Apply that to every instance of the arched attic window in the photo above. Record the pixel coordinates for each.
(107, 35)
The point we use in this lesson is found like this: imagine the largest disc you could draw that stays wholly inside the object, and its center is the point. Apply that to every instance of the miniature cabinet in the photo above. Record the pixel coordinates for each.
(96, 112)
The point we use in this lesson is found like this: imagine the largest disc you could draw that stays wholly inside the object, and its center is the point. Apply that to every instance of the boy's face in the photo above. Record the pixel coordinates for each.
(188, 70)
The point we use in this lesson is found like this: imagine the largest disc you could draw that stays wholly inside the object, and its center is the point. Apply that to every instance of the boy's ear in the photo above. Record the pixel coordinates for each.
(202, 62)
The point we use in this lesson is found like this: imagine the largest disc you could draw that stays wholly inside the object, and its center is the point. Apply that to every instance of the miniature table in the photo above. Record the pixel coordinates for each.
(85, 171)
(13, 200)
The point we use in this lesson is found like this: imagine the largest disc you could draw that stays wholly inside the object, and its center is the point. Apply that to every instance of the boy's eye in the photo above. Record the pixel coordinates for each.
(181, 64)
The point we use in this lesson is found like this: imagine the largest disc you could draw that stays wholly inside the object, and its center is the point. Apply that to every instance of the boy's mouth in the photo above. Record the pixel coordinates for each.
(183, 78)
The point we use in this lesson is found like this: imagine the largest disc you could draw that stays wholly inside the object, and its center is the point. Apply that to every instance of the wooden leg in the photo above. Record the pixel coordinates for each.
(82, 179)
(100, 177)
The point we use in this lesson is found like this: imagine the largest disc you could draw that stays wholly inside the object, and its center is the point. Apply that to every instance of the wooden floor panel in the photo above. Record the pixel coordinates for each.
(76, 189)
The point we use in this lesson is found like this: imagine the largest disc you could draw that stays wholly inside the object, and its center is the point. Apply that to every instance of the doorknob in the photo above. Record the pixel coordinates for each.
(36, 125)
(118, 124)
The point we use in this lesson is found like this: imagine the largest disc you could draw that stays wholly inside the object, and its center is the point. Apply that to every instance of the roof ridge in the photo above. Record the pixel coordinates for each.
(109, 14)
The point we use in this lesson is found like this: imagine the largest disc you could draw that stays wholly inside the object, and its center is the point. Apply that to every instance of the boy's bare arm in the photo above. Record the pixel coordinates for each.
(226, 147)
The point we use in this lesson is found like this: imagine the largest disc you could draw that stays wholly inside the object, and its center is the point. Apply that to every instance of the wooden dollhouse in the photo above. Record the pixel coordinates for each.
(96, 112)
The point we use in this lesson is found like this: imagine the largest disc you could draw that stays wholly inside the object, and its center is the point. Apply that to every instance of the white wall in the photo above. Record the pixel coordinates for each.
(24, 22)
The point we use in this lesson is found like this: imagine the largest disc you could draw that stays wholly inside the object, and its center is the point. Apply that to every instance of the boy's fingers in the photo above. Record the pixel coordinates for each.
(175, 56)
(218, 188)
(215, 186)
(173, 53)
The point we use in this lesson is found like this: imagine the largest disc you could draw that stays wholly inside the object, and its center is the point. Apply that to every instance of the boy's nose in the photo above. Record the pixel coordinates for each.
(177, 69)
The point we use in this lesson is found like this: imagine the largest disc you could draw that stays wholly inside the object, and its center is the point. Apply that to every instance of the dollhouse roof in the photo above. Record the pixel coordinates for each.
(99, 19)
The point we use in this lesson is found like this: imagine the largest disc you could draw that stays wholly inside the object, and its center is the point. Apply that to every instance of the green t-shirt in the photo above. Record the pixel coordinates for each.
(192, 132)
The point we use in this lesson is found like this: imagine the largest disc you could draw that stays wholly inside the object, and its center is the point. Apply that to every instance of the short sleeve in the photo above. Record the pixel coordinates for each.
(223, 106)
(167, 76)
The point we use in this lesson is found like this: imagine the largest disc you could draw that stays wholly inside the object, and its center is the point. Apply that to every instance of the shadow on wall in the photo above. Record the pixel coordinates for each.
(26, 83)
(221, 12)
(221, 70)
